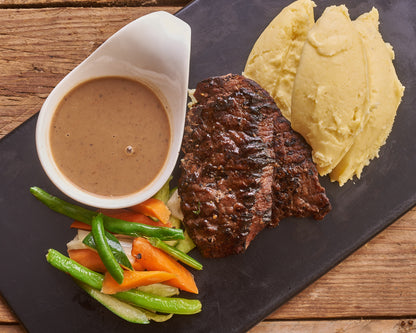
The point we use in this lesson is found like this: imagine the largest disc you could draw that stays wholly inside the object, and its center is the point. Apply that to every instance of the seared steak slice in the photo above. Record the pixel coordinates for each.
(227, 169)
(296, 187)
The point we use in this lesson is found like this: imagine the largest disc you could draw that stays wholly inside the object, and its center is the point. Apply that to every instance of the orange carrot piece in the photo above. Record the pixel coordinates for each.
(134, 279)
(80, 225)
(138, 217)
(126, 215)
(111, 212)
(154, 259)
(138, 266)
(88, 258)
(154, 208)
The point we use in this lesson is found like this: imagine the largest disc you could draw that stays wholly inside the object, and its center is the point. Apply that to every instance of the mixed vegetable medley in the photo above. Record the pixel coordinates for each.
(130, 260)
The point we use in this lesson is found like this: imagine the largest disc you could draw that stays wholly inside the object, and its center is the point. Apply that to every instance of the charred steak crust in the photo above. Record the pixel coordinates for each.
(296, 188)
(244, 168)
(227, 169)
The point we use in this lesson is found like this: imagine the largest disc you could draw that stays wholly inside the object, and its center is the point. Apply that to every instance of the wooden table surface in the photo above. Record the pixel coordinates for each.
(374, 290)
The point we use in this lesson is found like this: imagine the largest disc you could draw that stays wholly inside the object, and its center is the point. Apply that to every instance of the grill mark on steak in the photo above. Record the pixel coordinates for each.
(243, 169)
(296, 188)
(227, 170)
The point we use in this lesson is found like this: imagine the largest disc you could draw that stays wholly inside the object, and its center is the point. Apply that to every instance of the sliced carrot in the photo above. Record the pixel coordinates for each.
(154, 259)
(80, 225)
(111, 212)
(154, 208)
(88, 258)
(138, 217)
(133, 279)
(138, 266)
(126, 215)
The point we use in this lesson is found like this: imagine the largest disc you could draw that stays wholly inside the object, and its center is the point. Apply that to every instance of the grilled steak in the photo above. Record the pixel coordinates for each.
(296, 188)
(243, 167)
(227, 170)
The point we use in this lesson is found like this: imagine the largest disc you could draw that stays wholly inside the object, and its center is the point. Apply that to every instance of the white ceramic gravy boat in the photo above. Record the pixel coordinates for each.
(154, 49)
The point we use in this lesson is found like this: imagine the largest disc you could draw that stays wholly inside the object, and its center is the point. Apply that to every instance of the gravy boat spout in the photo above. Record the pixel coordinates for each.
(154, 50)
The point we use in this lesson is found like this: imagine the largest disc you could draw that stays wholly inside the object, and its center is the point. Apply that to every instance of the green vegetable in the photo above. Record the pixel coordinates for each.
(136, 298)
(159, 289)
(157, 317)
(115, 247)
(163, 193)
(185, 245)
(159, 303)
(77, 271)
(176, 223)
(137, 229)
(120, 308)
(174, 252)
(172, 191)
(104, 250)
(111, 224)
(172, 242)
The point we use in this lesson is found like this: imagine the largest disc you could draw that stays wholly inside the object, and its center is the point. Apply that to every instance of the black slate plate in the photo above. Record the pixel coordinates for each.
(238, 291)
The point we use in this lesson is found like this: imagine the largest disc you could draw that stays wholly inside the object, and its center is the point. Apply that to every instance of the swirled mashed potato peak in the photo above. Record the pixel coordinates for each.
(333, 79)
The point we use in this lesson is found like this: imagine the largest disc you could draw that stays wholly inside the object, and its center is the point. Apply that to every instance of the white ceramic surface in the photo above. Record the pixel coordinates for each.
(154, 49)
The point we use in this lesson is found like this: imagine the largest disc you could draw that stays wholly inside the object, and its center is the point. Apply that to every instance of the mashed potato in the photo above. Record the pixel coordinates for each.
(330, 99)
(333, 79)
(274, 58)
(386, 92)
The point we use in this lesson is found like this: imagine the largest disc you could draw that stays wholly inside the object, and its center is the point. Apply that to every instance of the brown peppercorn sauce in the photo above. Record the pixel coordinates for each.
(110, 136)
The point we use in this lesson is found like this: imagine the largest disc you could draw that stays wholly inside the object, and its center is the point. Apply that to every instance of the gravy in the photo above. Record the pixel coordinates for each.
(110, 136)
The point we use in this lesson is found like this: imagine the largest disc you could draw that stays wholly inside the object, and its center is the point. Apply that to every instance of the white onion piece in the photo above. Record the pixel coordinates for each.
(174, 205)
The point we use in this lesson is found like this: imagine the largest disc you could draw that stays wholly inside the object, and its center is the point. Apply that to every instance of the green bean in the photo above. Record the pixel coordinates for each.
(77, 271)
(111, 224)
(136, 298)
(115, 247)
(159, 303)
(104, 250)
(174, 252)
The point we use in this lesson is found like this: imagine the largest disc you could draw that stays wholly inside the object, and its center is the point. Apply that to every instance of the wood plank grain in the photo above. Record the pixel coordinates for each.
(12, 329)
(338, 326)
(6, 314)
(39, 47)
(89, 3)
(335, 326)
